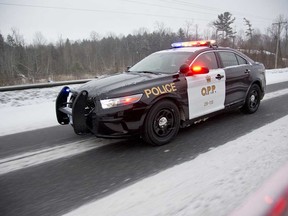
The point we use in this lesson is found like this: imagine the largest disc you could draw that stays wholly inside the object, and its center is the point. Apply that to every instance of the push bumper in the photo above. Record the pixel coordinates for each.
(74, 113)
(117, 123)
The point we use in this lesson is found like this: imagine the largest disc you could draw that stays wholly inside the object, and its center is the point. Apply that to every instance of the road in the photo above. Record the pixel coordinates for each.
(61, 185)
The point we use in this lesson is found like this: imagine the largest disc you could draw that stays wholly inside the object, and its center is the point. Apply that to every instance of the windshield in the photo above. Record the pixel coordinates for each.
(162, 62)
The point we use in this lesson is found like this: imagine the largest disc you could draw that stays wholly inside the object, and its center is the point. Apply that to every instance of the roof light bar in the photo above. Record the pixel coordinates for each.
(194, 43)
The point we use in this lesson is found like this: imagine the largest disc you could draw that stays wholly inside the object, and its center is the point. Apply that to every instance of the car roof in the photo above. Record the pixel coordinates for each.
(204, 48)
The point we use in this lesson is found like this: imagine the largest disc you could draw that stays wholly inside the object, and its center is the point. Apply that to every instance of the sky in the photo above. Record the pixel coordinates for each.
(77, 19)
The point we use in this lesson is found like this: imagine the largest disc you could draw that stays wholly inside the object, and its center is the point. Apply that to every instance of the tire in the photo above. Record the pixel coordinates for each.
(162, 123)
(252, 101)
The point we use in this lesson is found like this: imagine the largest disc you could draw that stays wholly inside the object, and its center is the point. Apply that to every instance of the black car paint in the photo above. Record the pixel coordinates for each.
(239, 79)
(128, 120)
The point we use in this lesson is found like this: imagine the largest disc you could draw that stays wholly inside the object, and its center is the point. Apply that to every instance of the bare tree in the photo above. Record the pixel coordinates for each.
(206, 34)
(94, 36)
(161, 28)
(280, 23)
(39, 39)
(18, 38)
(188, 29)
(141, 31)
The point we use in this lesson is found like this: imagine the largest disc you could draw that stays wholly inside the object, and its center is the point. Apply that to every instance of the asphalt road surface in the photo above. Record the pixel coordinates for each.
(61, 185)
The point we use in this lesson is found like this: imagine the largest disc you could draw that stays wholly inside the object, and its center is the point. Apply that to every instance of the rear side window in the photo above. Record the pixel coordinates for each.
(228, 59)
(241, 60)
(206, 60)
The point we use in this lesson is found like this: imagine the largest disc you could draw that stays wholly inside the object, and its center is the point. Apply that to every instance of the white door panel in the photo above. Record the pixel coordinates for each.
(206, 94)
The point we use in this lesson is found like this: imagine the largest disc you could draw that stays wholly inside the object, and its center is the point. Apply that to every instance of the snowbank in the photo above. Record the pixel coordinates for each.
(26, 110)
(276, 75)
(29, 96)
(26, 118)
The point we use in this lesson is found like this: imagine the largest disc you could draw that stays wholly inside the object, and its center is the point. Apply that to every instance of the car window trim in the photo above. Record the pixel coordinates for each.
(238, 56)
(208, 51)
(235, 53)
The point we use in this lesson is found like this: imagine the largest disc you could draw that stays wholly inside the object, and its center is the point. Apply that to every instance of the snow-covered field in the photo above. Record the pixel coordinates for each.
(212, 184)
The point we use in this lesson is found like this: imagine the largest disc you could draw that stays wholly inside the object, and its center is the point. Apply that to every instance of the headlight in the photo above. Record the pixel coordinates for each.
(122, 101)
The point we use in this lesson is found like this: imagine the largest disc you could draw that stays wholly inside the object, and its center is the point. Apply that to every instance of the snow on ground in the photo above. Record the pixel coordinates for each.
(214, 183)
(26, 110)
(26, 118)
(276, 75)
(31, 109)
(30, 96)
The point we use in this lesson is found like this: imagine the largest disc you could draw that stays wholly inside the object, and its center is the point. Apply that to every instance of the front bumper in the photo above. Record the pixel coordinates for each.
(87, 116)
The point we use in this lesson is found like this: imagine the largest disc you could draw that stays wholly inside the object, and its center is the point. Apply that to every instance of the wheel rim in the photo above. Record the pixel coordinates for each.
(254, 100)
(163, 123)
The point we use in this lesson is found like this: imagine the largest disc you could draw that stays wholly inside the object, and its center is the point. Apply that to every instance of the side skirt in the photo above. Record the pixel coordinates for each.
(227, 108)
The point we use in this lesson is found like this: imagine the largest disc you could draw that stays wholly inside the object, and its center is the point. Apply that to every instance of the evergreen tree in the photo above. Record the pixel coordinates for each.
(223, 24)
(249, 29)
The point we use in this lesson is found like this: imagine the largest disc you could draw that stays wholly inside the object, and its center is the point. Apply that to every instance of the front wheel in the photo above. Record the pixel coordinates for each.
(252, 100)
(162, 123)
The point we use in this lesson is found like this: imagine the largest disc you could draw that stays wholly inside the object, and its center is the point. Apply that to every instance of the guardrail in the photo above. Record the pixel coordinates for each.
(42, 85)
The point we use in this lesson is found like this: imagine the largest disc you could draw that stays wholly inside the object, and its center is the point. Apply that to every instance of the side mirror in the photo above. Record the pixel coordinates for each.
(199, 70)
(127, 68)
(184, 69)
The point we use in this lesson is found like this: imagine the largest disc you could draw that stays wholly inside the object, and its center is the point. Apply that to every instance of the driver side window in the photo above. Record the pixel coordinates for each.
(207, 60)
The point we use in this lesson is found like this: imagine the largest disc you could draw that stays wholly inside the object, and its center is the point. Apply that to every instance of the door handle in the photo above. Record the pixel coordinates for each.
(247, 71)
(219, 77)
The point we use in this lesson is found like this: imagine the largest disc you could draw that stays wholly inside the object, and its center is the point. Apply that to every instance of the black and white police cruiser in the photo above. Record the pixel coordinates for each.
(167, 90)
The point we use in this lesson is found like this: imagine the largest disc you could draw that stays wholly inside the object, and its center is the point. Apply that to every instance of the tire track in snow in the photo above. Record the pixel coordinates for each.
(41, 156)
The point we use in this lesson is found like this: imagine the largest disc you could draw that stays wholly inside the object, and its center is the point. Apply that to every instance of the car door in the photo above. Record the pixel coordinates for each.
(206, 92)
(237, 71)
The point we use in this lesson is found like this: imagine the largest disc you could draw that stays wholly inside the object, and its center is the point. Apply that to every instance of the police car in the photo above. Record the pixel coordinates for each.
(165, 91)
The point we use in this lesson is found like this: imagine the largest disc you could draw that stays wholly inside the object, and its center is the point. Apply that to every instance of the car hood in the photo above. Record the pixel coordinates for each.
(118, 84)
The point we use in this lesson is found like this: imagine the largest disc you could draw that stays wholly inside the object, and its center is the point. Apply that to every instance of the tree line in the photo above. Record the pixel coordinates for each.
(64, 60)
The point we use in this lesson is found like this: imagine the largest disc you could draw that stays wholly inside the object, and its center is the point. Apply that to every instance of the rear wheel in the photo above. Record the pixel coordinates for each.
(252, 100)
(162, 123)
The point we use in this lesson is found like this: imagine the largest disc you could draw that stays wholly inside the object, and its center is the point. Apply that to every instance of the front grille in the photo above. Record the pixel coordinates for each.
(71, 99)
(90, 105)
